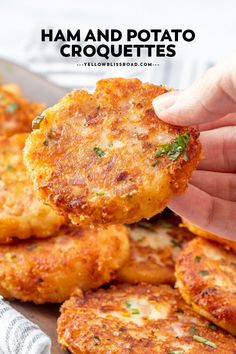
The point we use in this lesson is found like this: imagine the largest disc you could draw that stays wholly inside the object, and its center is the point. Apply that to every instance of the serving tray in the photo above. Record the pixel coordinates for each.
(35, 87)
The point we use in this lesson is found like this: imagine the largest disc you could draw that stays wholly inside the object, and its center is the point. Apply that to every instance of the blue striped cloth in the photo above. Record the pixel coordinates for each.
(20, 336)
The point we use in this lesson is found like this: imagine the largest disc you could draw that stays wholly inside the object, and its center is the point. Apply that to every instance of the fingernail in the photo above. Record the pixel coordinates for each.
(163, 102)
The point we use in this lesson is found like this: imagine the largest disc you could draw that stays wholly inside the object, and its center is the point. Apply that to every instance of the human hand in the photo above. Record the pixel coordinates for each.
(210, 105)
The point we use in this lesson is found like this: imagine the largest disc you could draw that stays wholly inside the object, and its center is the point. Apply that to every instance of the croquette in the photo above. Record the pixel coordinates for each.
(49, 270)
(16, 113)
(206, 234)
(154, 249)
(205, 273)
(143, 319)
(22, 213)
(106, 158)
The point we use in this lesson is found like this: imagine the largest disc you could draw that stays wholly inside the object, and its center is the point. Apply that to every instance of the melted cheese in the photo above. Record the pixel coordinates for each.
(141, 310)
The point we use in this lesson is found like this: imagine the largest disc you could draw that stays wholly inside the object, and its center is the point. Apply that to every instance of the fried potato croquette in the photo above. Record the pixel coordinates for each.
(206, 278)
(22, 214)
(16, 113)
(49, 270)
(106, 158)
(137, 319)
(206, 234)
(154, 250)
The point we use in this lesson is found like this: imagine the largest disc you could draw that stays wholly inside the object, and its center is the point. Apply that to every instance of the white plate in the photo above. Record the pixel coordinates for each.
(34, 87)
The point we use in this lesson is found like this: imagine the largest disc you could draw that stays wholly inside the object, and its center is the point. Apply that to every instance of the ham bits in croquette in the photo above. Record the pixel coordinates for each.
(106, 158)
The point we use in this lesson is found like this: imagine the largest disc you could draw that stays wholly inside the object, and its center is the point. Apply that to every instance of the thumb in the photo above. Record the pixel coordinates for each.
(208, 99)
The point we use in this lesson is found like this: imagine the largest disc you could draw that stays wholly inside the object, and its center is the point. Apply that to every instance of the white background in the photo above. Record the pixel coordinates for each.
(214, 22)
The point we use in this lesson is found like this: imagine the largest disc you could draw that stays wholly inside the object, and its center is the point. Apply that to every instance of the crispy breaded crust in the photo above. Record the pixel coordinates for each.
(22, 214)
(206, 234)
(93, 156)
(137, 319)
(154, 250)
(50, 270)
(16, 113)
(205, 274)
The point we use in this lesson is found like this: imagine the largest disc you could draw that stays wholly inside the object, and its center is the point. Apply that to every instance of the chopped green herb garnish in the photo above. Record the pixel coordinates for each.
(146, 225)
(10, 168)
(165, 224)
(32, 247)
(96, 340)
(2, 96)
(36, 122)
(204, 273)
(197, 259)
(128, 304)
(100, 193)
(176, 148)
(135, 312)
(99, 152)
(176, 351)
(163, 150)
(177, 243)
(141, 239)
(155, 163)
(46, 142)
(212, 326)
(12, 107)
(204, 341)
(192, 329)
(110, 145)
